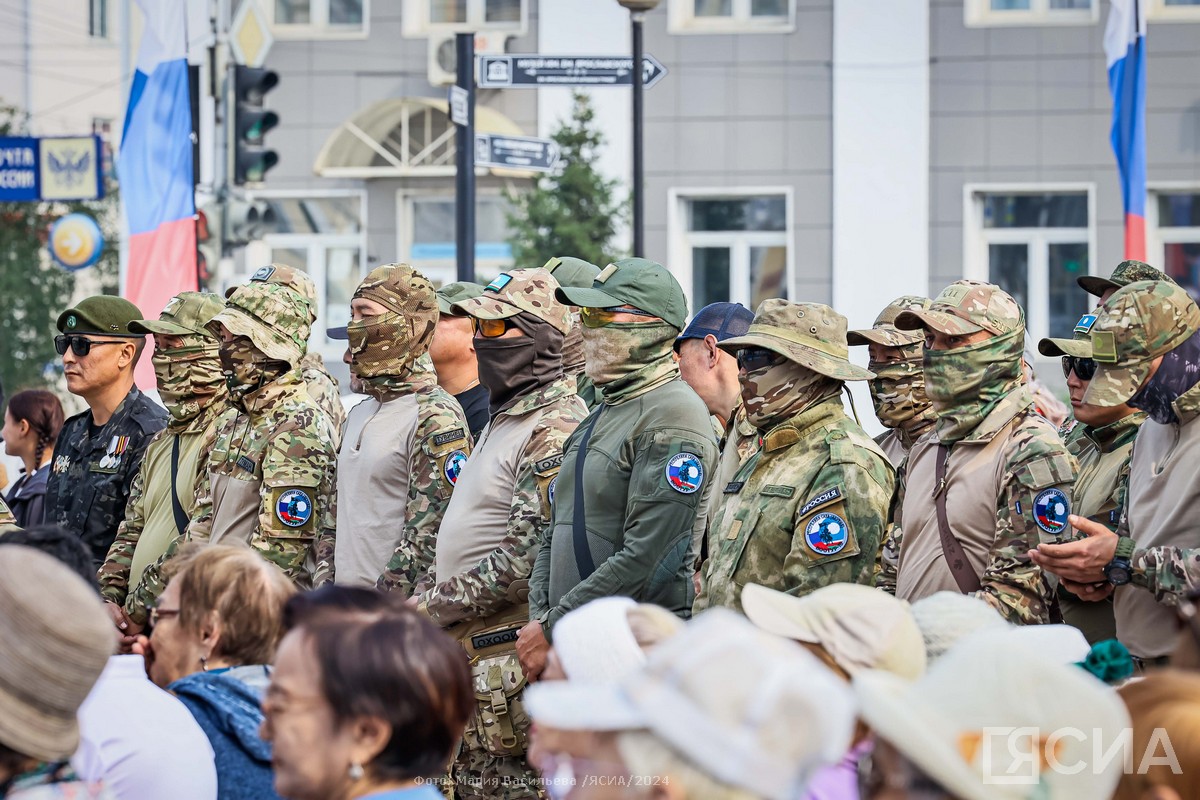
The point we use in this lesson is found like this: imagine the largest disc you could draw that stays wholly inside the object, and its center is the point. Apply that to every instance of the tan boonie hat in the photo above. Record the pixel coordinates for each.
(884, 330)
(1079, 346)
(185, 314)
(1127, 272)
(859, 626)
(966, 307)
(1139, 323)
(57, 639)
(452, 293)
(727, 697)
(272, 316)
(295, 279)
(527, 290)
(811, 334)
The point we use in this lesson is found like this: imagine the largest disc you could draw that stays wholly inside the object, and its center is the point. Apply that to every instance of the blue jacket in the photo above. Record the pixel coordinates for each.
(227, 705)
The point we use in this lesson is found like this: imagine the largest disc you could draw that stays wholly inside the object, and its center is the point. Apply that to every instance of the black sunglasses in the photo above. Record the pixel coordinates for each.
(756, 358)
(79, 345)
(1084, 368)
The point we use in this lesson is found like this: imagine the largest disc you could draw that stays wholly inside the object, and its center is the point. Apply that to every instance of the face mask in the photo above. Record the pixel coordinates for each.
(247, 368)
(627, 359)
(376, 346)
(573, 359)
(511, 368)
(966, 383)
(898, 393)
(188, 379)
(1178, 372)
(774, 394)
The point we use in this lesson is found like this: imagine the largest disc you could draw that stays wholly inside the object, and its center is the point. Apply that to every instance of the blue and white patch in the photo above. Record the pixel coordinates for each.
(502, 280)
(1085, 323)
(685, 473)
(263, 274)
(550, 489)
(826, 534)
(454, 466)
(1050, 510)
(294, 508)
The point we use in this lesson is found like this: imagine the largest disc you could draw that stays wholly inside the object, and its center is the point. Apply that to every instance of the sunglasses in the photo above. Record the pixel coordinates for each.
(79, 345)
(157, 614)
(1084, 368)
(752, 359)
(599, 317)
(489, 328)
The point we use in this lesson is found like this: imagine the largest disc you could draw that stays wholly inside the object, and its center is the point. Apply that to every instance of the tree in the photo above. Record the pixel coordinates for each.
(571, 212)
(33, 289)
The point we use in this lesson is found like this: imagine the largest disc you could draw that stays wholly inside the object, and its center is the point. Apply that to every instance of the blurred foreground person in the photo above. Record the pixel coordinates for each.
(32, 422)
(1165, 707)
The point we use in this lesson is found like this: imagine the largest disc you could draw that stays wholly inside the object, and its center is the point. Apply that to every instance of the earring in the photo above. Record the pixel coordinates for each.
(204, 663)
(356, 772)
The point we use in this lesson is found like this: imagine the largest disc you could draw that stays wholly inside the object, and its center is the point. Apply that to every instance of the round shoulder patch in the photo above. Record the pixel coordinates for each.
(294, 508)
(1050, 510)
(550, 489)
(826, 534)
(685, 473)
(454, 465)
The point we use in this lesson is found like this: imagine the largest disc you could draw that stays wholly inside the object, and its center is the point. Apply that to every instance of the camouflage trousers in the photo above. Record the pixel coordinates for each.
(479, 775)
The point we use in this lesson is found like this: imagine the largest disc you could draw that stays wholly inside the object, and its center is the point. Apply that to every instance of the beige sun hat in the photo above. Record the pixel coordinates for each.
(811, 334)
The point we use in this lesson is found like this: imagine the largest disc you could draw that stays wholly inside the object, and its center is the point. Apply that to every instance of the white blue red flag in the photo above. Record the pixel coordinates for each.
(1125, 50)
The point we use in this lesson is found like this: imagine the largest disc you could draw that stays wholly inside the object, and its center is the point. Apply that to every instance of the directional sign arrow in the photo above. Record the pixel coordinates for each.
(515, 152)
(531, 71)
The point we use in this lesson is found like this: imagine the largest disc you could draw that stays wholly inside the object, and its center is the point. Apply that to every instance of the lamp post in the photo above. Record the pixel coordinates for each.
(637, 13)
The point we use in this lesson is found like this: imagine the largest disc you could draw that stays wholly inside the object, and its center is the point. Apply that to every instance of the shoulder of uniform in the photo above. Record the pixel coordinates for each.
(1037, 457)
(850, 443)
(675, 405)
(149, 415)
(556, 422)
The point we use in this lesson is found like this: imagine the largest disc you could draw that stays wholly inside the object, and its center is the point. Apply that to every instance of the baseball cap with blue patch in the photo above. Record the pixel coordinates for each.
(1079, 346)
(721, 320)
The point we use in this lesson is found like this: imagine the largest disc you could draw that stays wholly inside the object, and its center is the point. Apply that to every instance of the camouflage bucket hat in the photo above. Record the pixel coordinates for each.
(1079, 346)
(185, 314)
(1127, 272)
(271, 316)
(1139, 323)
(811, 334)
(884, 330)
(295, 279)
(527, 290)
(453, 293)
(570, 271)
(966, 307)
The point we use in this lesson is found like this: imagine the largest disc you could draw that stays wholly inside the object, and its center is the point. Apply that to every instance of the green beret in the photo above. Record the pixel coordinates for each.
(103, 314)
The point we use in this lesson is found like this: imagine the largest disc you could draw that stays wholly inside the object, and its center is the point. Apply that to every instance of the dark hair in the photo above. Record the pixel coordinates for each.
(399, 667)
(43, 412)
(309, 607)
(59, 543)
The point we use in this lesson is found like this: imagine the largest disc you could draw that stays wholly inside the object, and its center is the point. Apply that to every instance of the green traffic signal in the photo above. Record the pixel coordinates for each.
(251, 123)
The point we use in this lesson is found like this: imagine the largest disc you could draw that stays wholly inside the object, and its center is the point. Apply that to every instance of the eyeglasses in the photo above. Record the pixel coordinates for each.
(157, 614)
(79, 345)
(599, 317)
(752, 359)
(489, 328)
(1084, 368)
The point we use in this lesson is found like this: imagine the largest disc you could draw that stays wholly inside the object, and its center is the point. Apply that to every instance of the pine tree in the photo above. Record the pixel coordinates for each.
(571, 212)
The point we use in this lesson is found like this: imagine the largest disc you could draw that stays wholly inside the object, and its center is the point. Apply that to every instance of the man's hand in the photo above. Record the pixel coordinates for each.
(1091, 592)
(1082, 561)
(532, 649)
(127, 629)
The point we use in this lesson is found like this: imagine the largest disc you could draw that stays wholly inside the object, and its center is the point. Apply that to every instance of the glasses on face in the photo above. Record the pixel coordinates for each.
(751, 359)
(489, 328)
(599, 317)
(1084, 368)
(158, 614)
(79, 345)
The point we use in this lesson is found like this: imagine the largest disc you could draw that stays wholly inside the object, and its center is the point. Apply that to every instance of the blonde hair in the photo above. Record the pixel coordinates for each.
(1168, 700)
(651, 624)
(648, 758)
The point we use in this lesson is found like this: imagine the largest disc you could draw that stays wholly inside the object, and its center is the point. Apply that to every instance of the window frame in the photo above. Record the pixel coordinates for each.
(1158, 237)
(405, 233)
(976, 239)
(1159, 11)
(318, 27)
(416, 24)
(680, 240)
(979, 14)
(98, 21)
(682, 19)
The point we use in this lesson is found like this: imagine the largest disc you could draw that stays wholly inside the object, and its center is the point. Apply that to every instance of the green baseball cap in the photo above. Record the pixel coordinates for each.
(272, 316)
(884, 331)
(637, 282)
(185, 314)
(102, 314)
(453, 293)
(966, 307)
(1080, 343)
(1127, 272)
(1139, 323)
(571, 271)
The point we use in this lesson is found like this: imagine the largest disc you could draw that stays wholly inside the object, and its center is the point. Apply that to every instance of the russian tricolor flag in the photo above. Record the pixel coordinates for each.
(155, 167)
(1125, 48)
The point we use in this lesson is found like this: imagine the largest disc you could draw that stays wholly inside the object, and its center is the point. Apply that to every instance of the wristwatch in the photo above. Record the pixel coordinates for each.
(1118, 570)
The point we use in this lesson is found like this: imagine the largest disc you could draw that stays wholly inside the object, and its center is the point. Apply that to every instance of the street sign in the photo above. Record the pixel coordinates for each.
(76, 241)
(250, 37)
(18, 168)
(532, 71)
(458, 105)
(515, 152)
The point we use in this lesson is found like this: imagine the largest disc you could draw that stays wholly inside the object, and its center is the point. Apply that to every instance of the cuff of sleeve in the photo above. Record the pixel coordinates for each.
(1140, 570)
(548, 620)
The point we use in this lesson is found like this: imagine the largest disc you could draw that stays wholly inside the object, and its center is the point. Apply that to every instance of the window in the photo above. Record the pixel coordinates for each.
(731, 16)
(732, 248)
(422, 17)
(1174, 10)
(98, 19)
(1175, 217)
(300, 19)
(1033, 244)
(427, 236)
(988, 13)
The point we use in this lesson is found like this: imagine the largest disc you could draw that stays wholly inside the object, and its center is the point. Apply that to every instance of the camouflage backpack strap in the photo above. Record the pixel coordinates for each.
(956, 559)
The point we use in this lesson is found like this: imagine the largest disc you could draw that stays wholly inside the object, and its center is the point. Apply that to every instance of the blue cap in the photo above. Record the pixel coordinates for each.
(722, 320)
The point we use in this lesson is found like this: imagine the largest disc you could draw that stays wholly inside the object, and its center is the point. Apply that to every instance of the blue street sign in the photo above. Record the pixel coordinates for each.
(18, 168)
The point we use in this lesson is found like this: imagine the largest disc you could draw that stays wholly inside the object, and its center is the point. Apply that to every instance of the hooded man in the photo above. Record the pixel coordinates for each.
(405, 445)
(163, 497)
(978, 493)
(898, 388)
(498, 514)
(635, 473)
(575, 273)
(809, 507)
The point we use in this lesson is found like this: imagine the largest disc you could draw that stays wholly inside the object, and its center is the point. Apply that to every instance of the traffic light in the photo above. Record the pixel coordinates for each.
(208, 240)
(247, 221)
(251, 122)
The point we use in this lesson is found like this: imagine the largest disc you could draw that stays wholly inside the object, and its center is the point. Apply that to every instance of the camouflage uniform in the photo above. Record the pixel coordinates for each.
(577, 273)
(809, 508)
(161, 501)
(489, 535)
(1008, 477)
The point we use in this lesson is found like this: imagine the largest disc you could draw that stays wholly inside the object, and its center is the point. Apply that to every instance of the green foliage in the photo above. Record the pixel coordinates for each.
(33, 289)
(571, 212)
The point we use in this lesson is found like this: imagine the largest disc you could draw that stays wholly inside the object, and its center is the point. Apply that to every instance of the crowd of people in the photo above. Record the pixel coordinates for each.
(572, 543)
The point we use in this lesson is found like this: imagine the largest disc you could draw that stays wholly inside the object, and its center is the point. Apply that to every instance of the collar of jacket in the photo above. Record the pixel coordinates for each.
(909, 436)
(544, 395)
(1017, 401)
(199, 423)
(263, 400)
(1115, 434)
(787, 433)
(1187, 405)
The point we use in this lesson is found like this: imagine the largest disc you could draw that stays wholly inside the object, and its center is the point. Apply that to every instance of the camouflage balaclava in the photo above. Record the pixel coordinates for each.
(965, 384)
(384, 347)
(775, 394)
(190, 377)
(898, 391)
(628, 359)
(1178, 372)
(247, 369)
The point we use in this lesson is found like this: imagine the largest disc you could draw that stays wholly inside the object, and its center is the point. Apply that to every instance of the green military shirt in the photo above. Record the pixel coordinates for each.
(808, 509)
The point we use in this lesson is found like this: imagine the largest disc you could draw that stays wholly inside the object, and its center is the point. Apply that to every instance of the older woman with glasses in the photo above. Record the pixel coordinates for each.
(213, 631)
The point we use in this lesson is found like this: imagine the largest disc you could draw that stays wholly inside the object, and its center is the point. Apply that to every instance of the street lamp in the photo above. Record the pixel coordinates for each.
(637, 13)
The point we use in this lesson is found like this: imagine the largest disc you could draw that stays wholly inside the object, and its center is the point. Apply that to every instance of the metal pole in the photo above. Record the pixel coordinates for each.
(639, 211)
(464, 161)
